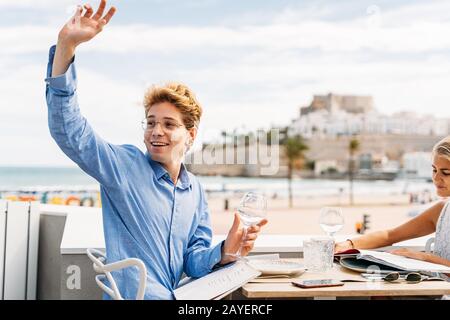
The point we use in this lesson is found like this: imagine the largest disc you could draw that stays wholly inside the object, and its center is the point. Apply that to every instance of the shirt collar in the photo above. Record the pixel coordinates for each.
(184, 182)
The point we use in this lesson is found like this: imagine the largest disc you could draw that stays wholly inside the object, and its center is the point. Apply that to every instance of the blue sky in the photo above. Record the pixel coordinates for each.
(252, 63)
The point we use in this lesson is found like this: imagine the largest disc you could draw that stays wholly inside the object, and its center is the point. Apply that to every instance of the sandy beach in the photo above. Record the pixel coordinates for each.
(384, 211)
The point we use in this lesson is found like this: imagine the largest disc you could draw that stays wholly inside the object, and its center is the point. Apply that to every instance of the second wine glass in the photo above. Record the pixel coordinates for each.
(331, 220)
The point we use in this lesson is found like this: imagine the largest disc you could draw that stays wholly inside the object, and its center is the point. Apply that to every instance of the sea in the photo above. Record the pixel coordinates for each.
(73, 179)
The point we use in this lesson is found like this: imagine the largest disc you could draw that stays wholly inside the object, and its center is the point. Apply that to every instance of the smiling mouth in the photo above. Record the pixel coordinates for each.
(158, 144)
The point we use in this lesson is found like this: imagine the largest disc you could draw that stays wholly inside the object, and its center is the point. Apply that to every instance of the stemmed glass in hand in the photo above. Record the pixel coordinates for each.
(252, 210)
(331, 220)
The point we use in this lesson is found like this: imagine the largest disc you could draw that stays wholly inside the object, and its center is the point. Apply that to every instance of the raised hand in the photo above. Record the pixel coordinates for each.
(80, 28)
(83, 27)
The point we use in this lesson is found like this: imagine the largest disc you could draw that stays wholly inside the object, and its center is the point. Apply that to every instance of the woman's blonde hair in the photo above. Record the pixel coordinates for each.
(442, 148)
(180, 96)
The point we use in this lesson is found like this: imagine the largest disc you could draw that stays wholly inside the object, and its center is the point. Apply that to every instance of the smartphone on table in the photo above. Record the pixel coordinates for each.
(317, 283)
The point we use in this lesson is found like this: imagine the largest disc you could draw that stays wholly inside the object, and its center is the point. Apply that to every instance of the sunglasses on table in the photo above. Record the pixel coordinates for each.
(412, 277)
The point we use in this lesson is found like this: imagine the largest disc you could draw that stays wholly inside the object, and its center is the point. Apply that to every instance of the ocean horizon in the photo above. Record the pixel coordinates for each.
(34, 178)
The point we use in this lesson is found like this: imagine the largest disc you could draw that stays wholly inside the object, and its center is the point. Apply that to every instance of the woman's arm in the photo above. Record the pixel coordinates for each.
(420, 226)
(424, 256)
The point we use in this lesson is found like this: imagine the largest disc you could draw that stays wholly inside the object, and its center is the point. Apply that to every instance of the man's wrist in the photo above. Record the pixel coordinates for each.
(225, 258)
(66, 45)
(225, 261)
(63, 57)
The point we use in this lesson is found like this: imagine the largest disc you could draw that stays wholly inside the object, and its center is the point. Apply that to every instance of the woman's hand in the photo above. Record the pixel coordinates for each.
(343, 246)
(411, 254)
(83, 27)
(429, 257)
(234, 239)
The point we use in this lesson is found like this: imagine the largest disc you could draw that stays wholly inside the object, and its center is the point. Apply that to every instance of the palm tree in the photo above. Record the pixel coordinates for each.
(353, 147)
(224, 135)
(295, 148)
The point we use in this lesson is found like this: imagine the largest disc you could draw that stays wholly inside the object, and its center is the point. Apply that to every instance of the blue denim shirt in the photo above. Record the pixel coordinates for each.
(145, 215)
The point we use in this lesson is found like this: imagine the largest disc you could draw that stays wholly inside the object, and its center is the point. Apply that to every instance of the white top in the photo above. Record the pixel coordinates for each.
(442, 238)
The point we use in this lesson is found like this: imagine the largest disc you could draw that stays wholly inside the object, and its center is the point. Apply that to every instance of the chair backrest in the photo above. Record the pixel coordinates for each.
(98, 259)
(429, 245)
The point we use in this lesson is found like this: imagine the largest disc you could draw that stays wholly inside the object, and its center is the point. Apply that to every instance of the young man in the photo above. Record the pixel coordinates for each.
(153, 208)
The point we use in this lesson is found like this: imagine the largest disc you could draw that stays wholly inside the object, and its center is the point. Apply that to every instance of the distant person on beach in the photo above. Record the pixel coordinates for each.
(153, 208)
(435, 219)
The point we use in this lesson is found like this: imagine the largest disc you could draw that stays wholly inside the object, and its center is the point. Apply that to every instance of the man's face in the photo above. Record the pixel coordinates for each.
(166, 137)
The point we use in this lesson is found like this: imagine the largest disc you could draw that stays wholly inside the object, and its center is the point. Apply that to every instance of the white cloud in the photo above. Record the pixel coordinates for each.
(35, 4)
(413, 14)
(409, 29)
(110, 107)
(257, 74)
(266, 80)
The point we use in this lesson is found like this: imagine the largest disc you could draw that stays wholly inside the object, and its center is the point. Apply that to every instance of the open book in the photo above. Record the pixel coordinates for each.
(364, 258)
(217, 284)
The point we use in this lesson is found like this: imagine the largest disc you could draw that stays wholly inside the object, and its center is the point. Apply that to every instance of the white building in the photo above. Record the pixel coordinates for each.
(323, 166)
(418, 164)
(340, 122)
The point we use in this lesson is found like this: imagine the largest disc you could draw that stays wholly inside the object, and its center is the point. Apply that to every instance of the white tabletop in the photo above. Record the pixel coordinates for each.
(84, 229)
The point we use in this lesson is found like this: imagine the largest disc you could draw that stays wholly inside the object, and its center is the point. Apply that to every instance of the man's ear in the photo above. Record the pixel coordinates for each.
(192, 134)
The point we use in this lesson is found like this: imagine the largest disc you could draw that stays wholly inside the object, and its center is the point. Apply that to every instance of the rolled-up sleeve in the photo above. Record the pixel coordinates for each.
(103, 161)
(62, 85)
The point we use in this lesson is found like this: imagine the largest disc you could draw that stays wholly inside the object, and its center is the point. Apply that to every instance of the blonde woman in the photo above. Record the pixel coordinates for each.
(435, 219)
(153, 208)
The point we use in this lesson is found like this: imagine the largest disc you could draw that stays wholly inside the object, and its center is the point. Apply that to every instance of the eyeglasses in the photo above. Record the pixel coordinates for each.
(167, 125)
(412, 277)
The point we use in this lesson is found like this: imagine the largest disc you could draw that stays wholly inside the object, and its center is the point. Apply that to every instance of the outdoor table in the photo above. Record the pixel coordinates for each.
(282, 288)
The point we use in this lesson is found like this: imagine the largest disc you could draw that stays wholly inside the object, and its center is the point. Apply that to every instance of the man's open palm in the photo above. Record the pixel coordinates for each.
(83, 27)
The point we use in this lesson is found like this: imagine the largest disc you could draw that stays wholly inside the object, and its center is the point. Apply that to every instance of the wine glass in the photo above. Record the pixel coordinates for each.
(252, 209)
(331, 220)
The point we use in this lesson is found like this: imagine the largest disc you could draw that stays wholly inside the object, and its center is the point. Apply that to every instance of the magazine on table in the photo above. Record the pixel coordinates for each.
(392, 260)
(217, 284)
(223, 281)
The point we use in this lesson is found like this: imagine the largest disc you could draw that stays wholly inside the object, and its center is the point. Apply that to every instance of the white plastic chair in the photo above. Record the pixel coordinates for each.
(98, 259)
(429, 245)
